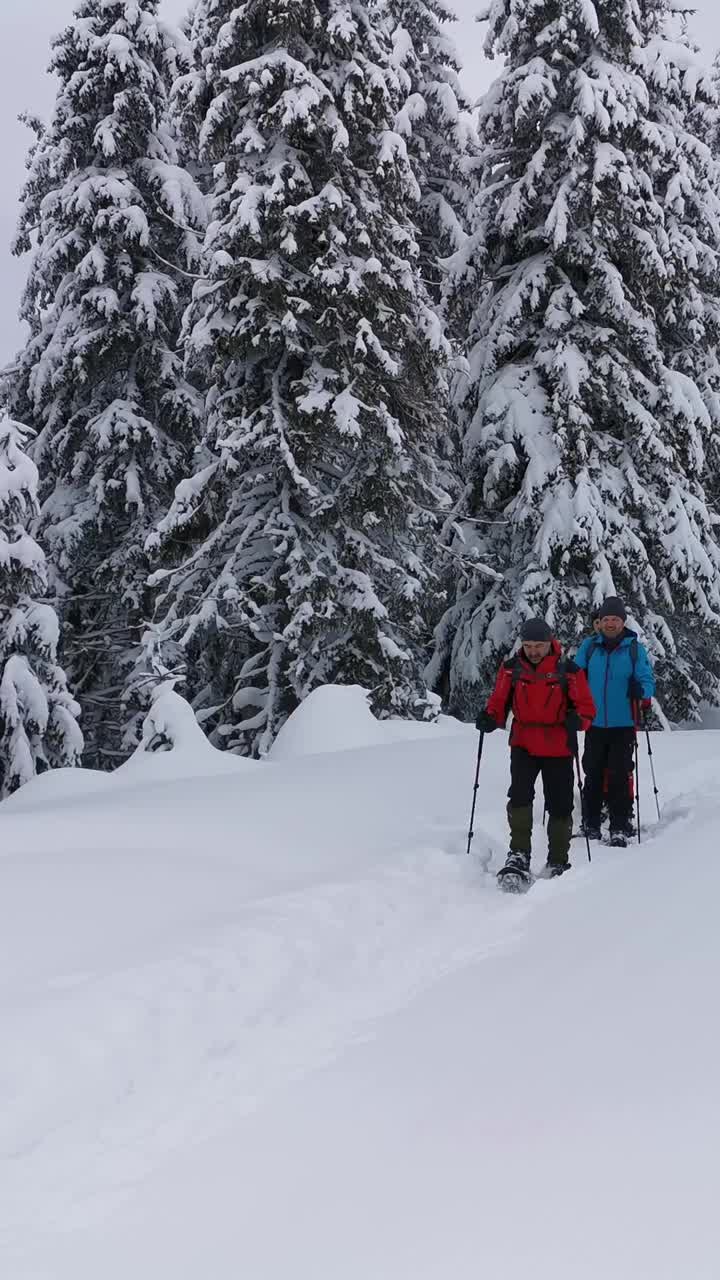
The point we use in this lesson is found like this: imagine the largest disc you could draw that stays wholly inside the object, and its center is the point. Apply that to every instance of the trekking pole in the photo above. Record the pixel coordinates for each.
(582, 801)
(637, 790)
(636, 714)
(471, 833)
(652, 770)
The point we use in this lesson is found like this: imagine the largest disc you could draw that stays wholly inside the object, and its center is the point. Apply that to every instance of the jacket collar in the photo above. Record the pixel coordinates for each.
(626, 637)
(548, 663)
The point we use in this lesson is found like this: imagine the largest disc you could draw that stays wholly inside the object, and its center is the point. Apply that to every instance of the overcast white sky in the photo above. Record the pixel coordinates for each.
(26, 27)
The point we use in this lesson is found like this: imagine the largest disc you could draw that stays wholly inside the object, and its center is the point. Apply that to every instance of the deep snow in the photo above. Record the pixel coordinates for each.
(271, 1022)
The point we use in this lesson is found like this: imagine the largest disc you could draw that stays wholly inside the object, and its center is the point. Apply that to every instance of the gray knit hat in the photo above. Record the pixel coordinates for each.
(535, 629)
(612, 607)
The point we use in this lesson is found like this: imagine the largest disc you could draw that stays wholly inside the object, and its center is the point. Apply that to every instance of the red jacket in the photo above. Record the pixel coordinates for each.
(540, 698)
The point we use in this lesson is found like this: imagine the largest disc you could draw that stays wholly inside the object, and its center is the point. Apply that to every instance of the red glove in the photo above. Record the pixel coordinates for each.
(643, 707)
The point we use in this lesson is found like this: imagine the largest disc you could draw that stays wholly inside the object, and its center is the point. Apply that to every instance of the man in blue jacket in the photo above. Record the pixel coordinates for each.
(622, 684)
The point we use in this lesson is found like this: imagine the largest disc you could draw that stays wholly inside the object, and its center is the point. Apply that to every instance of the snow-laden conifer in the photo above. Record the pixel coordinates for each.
(107, 213)
(38, 716)
(587, 418)
(435, 120)
(323, 357)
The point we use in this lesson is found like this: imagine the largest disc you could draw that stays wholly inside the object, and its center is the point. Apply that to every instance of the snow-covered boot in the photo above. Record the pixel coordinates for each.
(592, 830)
(617, 839)
(515, 876)
(625, 828)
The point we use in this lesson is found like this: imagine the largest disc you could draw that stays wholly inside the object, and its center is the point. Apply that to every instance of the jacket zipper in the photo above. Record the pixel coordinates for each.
(608, 655)
(539, 724)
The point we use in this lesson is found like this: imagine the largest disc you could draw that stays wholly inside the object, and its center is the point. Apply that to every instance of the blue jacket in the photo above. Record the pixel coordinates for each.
(609, 672)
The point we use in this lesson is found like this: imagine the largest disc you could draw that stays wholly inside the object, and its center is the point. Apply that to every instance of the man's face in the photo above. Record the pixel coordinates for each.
(611, 627)
(536, 650)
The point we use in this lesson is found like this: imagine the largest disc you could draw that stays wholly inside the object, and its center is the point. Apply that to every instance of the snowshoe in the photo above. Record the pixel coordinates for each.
(589, 831)
(515, 876)
(621, 833)
(617, 840)
(552, 870)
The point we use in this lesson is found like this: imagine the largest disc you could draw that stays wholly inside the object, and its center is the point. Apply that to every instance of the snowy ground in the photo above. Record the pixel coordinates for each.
(268, 1021)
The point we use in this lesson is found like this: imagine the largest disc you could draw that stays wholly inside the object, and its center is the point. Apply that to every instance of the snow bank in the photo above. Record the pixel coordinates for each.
(333, 718)
(173, 746)
(338, 718)
(254, 983)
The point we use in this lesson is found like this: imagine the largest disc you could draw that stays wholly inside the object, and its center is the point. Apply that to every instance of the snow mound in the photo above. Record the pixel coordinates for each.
(57, 784)
(332, 718)
(412, 730)
(174, 746)
(338, 718)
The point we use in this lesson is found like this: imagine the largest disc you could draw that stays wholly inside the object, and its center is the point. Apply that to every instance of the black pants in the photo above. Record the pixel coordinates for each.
(611, 750)
(557, 776)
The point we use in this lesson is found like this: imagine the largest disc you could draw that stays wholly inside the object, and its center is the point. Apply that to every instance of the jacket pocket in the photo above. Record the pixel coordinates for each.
(539, 704)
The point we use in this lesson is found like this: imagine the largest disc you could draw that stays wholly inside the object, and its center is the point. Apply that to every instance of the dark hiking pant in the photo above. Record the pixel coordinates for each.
(608, 751)
(557, 776)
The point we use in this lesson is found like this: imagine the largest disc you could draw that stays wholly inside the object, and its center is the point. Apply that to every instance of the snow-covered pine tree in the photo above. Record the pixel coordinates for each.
(38, 716)
(596, 240)
(109, 215)
(324, 361)
(435, 119)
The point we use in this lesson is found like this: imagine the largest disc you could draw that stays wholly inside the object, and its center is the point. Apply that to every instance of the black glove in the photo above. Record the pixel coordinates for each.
(573, 722)
(485, 722)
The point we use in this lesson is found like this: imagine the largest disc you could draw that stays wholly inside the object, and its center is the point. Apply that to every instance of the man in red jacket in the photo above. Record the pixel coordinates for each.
(550, 701)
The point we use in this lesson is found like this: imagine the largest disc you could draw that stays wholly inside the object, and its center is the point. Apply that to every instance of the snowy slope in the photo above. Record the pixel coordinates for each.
(273, 1023)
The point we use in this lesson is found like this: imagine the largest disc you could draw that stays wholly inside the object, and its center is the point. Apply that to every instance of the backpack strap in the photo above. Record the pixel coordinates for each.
(565, 667)
(513, 666)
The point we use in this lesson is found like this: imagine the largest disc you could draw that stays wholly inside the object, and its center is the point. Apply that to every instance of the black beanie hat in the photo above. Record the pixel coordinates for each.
(613, 607)
(535, 629)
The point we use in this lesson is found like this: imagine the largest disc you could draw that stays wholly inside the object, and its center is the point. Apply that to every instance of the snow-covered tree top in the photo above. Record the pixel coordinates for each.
(115, 61)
